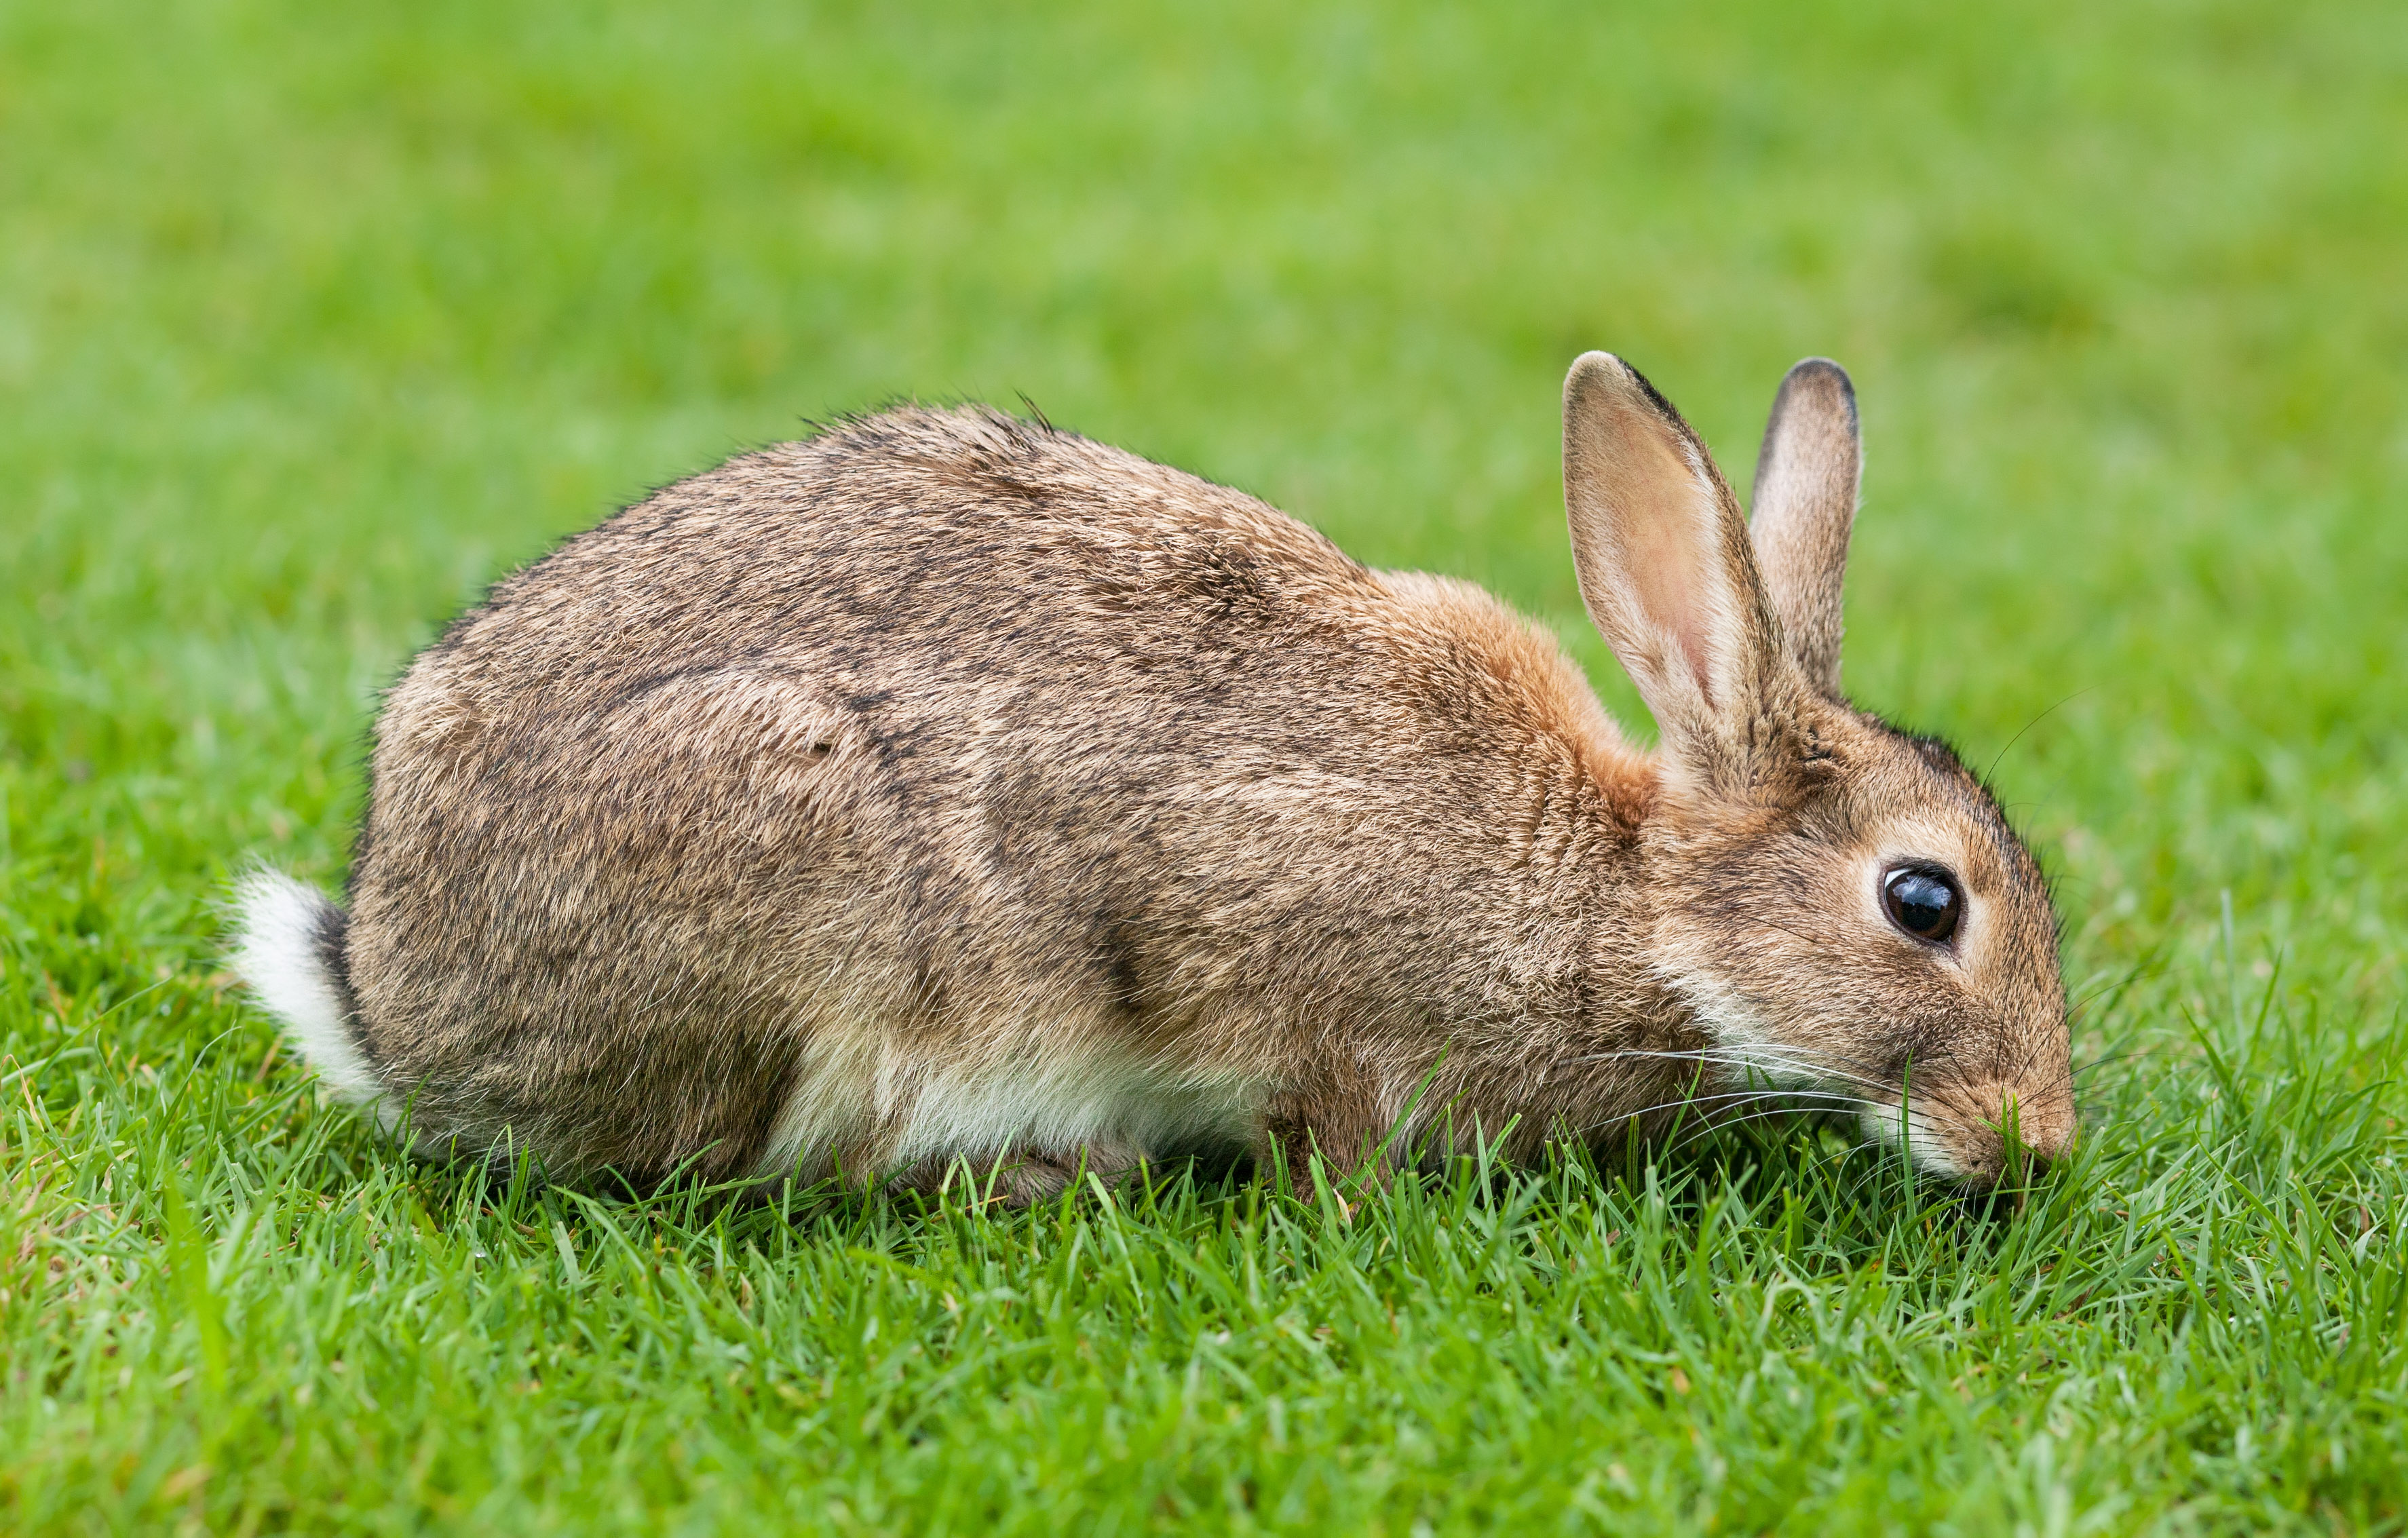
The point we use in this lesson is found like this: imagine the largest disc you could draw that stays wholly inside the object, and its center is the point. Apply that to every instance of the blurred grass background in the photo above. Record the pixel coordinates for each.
(315, 320)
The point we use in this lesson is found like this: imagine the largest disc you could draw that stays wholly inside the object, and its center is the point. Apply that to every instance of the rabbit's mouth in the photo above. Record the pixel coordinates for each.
(1978, 1134)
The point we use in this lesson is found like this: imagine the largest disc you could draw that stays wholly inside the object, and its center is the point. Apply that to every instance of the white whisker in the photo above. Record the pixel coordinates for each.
(1755, 1058)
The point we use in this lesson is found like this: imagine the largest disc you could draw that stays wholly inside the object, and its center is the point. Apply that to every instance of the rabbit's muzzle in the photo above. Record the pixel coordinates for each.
(1981, 1132)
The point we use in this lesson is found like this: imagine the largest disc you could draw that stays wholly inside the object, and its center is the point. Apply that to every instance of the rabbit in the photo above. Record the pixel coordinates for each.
(948, 790)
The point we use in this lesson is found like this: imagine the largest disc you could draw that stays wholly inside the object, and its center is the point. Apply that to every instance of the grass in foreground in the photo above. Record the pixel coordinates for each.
(312, 323)
(251, 1315)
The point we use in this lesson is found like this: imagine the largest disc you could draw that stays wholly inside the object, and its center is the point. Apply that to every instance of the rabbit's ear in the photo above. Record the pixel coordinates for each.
(1664, 561)
(1805, 506)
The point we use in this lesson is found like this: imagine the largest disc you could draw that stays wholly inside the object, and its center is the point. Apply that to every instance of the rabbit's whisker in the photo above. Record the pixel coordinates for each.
(1753, 1058)
(1709, 1130)
(1780, 1099)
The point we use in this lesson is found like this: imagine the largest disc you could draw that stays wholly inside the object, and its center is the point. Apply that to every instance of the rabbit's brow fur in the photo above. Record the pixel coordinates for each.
(948, 788)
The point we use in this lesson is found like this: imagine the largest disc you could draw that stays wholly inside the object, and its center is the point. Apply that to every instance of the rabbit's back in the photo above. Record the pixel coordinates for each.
(949, 786)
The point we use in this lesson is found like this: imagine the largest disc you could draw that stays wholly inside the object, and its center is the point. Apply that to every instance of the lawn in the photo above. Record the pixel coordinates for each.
(314, 320)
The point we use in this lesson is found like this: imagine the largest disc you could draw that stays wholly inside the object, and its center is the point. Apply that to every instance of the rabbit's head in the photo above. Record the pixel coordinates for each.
(1842, 903)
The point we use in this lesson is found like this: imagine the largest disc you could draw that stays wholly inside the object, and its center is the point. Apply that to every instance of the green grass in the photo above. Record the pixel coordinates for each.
(314, 319)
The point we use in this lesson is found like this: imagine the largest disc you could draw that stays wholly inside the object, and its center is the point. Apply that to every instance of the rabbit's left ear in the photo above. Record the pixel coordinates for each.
(1805, 507)
(1665, 566)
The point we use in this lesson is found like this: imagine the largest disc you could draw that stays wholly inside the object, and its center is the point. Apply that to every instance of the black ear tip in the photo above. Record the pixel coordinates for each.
(1654, 396)
(1609, 371)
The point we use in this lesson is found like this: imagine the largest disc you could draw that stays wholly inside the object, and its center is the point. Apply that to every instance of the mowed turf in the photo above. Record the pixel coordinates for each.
(313, 321)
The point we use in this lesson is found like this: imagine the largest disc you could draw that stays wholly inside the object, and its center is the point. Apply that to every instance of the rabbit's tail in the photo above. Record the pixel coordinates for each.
(289, 950)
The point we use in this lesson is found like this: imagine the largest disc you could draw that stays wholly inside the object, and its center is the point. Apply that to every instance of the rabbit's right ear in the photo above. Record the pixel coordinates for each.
(1805, 507)
(1666, 569)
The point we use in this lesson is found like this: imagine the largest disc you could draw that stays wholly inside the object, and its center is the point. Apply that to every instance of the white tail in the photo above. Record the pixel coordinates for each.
(281, 955)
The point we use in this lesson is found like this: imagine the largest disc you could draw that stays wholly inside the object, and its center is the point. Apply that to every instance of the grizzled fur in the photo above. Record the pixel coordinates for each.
(949, 787)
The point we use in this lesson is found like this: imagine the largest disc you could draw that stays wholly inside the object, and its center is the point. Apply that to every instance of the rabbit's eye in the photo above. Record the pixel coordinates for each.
(1922, 901)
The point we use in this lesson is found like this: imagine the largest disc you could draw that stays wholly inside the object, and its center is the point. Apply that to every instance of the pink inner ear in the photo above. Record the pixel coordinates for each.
(1668, 573)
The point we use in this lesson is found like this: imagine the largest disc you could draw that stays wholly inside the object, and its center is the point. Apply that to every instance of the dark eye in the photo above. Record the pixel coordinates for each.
(1923, 901)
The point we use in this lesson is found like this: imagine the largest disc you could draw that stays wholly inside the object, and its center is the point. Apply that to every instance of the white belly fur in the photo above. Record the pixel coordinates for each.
(859, 1088)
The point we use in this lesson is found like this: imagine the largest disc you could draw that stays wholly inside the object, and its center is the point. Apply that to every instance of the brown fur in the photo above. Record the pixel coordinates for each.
(948, 787)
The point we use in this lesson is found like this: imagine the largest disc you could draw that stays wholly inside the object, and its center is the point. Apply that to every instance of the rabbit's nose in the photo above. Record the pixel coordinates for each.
(2036, 1134)
(2036, 1162)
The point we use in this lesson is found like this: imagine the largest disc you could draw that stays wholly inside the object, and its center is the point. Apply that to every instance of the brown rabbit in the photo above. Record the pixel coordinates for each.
(949, 788)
